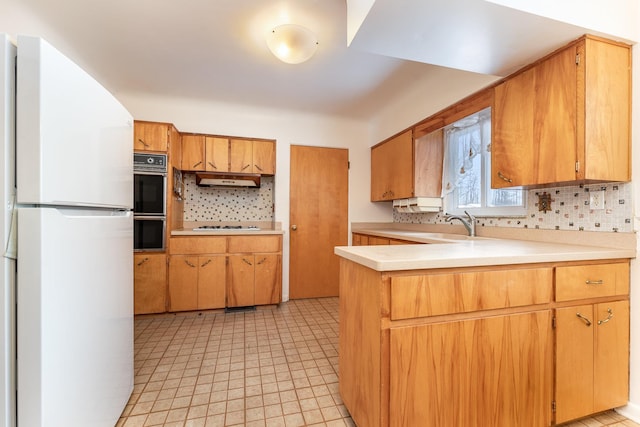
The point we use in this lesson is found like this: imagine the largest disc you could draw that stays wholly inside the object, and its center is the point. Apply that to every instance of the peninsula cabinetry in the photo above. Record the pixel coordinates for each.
(592, 340)
(565, 118)
(477, 345)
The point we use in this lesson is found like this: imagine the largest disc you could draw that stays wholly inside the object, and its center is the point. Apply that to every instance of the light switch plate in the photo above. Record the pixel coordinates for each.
(596, 199)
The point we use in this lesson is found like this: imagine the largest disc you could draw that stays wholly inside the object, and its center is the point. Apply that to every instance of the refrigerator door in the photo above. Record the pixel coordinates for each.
(7, 264)
(75, 316)
(74, 139)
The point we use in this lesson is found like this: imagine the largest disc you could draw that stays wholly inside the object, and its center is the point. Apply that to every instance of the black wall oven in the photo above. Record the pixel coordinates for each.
(149, 201)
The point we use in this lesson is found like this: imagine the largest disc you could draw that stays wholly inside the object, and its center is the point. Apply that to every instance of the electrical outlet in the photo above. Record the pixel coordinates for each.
(596, 199)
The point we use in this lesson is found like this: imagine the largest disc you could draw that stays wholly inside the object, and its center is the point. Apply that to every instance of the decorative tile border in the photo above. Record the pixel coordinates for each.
(214, 204)
(569, 211)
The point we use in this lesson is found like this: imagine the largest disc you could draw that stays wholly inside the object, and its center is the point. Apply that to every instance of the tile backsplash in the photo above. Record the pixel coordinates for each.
(228, 204)
(569, 211)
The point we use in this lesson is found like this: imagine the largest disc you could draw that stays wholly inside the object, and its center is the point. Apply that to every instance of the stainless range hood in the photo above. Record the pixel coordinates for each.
(246, 180)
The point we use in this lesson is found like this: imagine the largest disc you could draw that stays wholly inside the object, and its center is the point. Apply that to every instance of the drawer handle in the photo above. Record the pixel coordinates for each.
(244, 167)
(197, 164)
(245, 260)
(212, 165)
(258, 167)
(206, 262)
(143, 261)
(189, 263)
(261, 261)
(609, 317)
(594, 282)
(504, 178)
(142, 142)
(586, 321)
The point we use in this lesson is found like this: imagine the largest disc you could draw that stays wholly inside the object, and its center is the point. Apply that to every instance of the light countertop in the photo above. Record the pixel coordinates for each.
(447, 251)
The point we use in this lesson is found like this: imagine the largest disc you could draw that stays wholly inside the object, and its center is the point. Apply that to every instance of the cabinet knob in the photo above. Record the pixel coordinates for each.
(294, 227)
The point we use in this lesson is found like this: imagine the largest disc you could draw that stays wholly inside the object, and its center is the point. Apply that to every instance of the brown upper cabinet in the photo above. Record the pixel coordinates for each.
(391, 168)
(565, 118)
(150, 136)
(232, 155)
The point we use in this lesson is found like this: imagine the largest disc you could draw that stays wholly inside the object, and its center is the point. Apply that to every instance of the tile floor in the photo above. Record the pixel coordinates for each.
(269, 367)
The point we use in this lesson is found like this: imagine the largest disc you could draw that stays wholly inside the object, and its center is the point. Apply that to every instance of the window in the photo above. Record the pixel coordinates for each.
(467, 171)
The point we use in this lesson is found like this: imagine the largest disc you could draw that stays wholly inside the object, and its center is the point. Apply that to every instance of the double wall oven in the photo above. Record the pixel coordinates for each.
(149, 204)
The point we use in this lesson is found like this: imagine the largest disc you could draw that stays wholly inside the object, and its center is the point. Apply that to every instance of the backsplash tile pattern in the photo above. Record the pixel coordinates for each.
(230, 204)
(569, 211)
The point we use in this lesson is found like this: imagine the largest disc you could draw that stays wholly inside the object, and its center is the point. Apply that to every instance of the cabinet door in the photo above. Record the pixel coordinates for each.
(240, 155)
(211, 281)
(606, 120)
(534, 125)
(268, 279)
(149, 136)
(574, 362)
(240, 281)
(486, 372)
(217, 154)
(611, 355)
(392, 168)
(183, 283)
(149, 283)
(193, 152)
(264, 157)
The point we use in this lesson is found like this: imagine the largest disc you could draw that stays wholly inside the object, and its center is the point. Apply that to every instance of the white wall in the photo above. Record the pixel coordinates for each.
(287, 128)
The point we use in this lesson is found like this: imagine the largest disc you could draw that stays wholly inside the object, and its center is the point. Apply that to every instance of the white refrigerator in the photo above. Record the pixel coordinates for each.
(66, 301)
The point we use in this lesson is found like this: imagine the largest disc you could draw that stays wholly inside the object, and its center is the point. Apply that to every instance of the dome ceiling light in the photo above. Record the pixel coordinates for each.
(292, 43)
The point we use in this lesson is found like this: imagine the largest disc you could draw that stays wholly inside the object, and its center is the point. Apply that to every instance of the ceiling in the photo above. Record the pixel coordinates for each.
(216, 49)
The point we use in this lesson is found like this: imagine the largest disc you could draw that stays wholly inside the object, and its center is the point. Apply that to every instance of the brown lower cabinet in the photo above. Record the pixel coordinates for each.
(224, 271)
(150, 283)
(523, 345)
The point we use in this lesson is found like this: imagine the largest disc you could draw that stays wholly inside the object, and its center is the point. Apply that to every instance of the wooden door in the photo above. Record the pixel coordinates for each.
(240, 155)
(611, 355)
(264, 157)
(268, 279)
(150, 283)
(241, 281)
(318, 218)
(183, 283)
(211, 281)
(216, 154)
(495, 371)
(574, 362)
(149, 136)
(193, 147)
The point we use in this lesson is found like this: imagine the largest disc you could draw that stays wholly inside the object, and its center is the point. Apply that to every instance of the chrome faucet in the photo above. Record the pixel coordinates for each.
(469, 224)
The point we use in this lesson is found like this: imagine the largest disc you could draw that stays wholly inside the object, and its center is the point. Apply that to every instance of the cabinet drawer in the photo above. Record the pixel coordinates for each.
(437, 294)
(240, 244)
(197, 245)
(592, 281)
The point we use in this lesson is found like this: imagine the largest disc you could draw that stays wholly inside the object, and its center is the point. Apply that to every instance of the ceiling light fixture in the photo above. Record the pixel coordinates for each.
(292, 43)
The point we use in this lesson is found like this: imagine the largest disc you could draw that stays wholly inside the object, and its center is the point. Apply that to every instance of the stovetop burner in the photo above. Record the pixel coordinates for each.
(226, 227)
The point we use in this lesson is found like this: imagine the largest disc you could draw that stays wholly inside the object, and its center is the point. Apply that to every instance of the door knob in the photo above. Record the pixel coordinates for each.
(294, 227)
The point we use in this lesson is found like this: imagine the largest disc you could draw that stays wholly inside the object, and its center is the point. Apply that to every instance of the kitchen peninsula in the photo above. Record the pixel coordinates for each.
(481, 331)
